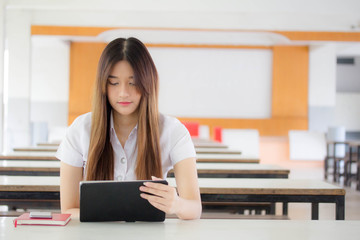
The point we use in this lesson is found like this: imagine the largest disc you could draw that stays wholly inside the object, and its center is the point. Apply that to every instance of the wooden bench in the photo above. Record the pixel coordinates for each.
(207, 143)
(238, 170)
(46, 189)
(207, 170)
(29, 168)
(29, 156)
(35, 149)
(224, 158)
(48, 144)
(272, 190)
(217, 151)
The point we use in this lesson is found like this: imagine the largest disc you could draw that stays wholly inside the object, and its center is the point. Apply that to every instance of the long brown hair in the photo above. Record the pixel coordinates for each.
(100, 163)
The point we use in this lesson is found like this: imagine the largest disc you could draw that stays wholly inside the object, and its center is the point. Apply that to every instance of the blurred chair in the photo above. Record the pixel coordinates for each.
(335, 152)
(245, 140)
(204, 132)
(307, 145)
(192, 127)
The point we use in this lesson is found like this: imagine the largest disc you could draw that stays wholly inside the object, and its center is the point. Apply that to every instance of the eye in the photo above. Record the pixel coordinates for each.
(113, 83)
(132, 84)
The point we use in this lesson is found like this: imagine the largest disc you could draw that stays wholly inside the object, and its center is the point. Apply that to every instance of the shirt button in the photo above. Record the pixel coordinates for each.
(119, 178)
(123, 160)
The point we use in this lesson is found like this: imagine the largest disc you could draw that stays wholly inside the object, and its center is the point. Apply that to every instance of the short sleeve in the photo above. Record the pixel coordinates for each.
(74, 147)
(182, 146)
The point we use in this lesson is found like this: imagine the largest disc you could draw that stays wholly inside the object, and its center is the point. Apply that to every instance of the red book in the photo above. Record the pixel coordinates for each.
(57, 219)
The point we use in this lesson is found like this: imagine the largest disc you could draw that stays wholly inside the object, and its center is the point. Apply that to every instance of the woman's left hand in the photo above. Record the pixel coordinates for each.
(164, 197)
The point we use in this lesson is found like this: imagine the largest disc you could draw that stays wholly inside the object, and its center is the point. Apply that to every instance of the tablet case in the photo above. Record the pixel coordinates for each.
(116, 201)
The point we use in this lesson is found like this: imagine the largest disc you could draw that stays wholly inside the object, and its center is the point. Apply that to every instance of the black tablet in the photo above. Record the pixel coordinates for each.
(116, 201)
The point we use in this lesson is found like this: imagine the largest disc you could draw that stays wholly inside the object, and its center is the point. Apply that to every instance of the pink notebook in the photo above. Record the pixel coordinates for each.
(57, 219)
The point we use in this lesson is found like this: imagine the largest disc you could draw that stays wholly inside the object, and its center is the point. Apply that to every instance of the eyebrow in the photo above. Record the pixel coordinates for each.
(111, 76)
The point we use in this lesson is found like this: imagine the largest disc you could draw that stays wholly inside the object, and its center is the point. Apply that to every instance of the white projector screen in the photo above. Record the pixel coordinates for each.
(214, 83)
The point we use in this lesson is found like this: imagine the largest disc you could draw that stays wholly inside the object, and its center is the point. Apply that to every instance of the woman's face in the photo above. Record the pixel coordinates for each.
(122, 93)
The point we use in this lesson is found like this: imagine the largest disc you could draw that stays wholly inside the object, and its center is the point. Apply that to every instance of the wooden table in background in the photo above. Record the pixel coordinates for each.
(48, 144)
(225, 158)
(238, 170)
(206, 143)
(29, 168)
(35, 149)
(217, 151)
(29, 156)
(272, 190)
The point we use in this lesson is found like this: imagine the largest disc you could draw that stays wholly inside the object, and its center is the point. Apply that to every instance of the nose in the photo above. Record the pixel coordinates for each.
(123, 90)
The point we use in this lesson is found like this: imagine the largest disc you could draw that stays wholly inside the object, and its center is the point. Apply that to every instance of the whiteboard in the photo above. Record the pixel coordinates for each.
(214, 83)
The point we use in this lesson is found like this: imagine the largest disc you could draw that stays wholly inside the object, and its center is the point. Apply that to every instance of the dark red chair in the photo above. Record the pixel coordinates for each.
(193, 128)
(218, 134)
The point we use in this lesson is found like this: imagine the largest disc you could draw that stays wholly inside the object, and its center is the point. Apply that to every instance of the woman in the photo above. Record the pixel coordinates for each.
(125, 137)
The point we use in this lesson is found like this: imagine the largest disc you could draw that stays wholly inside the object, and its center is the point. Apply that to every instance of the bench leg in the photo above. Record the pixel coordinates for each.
(326, 168)
(340, 208)
(285, 208)
(272, 208)
(315, 211)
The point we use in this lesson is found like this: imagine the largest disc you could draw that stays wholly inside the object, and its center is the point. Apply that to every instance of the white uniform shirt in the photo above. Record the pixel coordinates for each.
(175, 145)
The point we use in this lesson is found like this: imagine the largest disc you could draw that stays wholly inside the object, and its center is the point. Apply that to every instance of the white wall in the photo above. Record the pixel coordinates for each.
(347, 111)
(2, 48)
(348, 76)
(17, 112)
(322, 72)
(50, 71)
(214, 83)
(321, 15)
(322, 86)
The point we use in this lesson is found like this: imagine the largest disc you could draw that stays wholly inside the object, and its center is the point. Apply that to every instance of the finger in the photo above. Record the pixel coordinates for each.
(158, 186)
(153, 191)
(156, 178)
(155, 199)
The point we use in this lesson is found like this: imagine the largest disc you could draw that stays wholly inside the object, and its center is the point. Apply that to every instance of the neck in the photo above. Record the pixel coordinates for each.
(125, 122)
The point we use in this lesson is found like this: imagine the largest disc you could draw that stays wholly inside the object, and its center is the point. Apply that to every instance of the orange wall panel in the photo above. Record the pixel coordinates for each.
(84, 57)
(290, 81)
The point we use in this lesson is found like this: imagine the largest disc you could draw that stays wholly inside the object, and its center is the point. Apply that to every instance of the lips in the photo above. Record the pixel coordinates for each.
(124, 103)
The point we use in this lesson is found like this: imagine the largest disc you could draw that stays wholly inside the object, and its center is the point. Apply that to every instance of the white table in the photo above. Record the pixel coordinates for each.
(175, 229)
